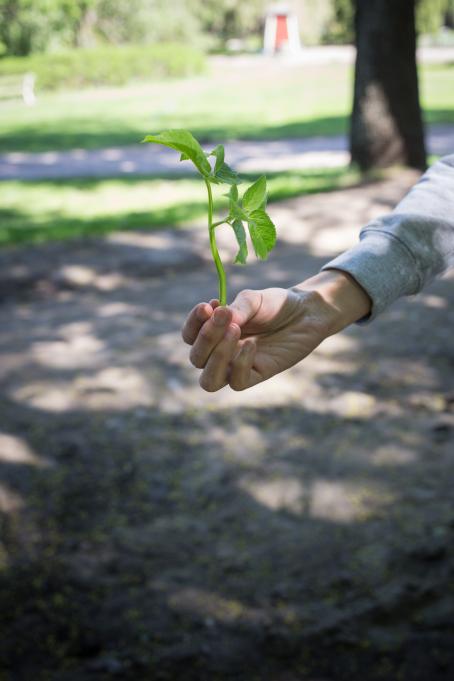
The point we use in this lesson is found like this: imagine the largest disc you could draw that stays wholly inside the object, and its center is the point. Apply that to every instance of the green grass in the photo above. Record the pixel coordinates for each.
(232, 102)
(48, 210)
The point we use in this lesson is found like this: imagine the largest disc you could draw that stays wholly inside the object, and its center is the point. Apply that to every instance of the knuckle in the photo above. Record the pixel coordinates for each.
(222, 352)
(206, 332)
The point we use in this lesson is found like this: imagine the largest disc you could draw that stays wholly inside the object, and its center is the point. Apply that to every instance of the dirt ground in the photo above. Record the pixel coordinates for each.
(302, 530)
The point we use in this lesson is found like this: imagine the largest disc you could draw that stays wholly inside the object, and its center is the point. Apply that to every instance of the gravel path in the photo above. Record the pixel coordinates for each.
(245, 156)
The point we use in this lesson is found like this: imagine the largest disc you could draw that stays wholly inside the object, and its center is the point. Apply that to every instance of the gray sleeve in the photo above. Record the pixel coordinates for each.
(400, 253)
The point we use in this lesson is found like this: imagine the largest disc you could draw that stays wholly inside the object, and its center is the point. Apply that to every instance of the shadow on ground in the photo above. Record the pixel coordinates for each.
(300, 531)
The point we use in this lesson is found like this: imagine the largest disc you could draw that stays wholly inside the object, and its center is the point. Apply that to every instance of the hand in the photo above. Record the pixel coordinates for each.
(265, 332)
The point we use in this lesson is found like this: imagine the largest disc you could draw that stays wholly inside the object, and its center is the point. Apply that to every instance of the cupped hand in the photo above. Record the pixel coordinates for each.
(259, 335)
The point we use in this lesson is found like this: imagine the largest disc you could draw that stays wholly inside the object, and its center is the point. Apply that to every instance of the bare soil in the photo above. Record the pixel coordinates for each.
(149, 531)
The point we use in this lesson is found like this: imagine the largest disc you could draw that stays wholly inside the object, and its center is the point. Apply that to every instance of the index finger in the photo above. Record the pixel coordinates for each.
(195, 320)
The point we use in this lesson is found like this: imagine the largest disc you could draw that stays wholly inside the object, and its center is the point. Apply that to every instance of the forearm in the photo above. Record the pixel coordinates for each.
(401, 252)
(343, 300)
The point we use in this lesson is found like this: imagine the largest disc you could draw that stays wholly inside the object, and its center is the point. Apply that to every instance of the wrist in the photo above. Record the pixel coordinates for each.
(346, 301)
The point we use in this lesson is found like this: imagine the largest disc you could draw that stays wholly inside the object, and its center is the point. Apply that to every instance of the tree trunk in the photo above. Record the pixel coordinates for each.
(386, 123)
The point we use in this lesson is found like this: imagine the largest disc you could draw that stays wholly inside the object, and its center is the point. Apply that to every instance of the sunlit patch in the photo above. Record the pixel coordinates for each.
(10, 502)
(46, 396)
(15, 450)
(282, 494)
(80, 275)
(332, 240)
(393, 455)
(117, 308)
(353, 404)
(282, 162)
(336, 345)
(214, 607)
(77, 351)
(430, 300)
(333, 501)
(115, 388)
(244, 445)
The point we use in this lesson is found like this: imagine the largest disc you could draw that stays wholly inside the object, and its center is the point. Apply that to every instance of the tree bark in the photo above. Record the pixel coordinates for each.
(386, 123)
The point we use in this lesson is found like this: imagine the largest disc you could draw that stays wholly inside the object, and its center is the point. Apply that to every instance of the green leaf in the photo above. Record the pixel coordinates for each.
(233, 193)
(240, 234)
(236, 212)
(255, 196)
(186, 144)
(263, 233)
(219, 153)
(227, 175)
(222, 173)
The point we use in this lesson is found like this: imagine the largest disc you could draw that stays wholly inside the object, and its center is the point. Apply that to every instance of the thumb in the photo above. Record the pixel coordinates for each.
(245, 306)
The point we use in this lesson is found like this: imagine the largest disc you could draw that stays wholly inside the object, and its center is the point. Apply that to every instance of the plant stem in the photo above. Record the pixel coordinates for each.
(214, 248)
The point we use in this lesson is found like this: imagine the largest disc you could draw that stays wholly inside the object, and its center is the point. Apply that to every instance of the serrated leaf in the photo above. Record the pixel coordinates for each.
(186, 144)
(227, 175)
(222, 173)
(233, 193)
(263, 233)
(236, 212)
(255, 195)
(240, 234)
(218, 152)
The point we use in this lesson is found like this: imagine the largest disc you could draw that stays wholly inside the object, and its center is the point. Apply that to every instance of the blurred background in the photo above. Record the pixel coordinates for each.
(302, 530)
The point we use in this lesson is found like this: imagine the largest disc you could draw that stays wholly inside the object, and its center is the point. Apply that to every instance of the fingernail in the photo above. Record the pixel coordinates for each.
(221, 317)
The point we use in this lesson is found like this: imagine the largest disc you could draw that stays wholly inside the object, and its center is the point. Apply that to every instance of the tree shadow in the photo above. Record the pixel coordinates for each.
(151, 531)
(80, 135)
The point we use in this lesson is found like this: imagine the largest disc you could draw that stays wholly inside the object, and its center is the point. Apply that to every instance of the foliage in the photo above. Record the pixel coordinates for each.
(28, 26)
(35, 25)
(431, 15)
(340, 29)
(230, 18)
(112, 65)
(146, 21)
(249, 210)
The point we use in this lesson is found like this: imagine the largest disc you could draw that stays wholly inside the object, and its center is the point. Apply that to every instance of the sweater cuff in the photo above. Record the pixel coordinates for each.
(383, 266)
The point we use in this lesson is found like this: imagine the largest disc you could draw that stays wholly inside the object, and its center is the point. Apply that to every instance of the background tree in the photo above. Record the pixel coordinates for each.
(386, 124)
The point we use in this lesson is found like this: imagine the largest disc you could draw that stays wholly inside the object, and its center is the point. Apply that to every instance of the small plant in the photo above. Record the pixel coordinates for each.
(250, 210)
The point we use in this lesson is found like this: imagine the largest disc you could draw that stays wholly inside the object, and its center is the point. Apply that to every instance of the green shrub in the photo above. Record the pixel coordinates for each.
(108, 65)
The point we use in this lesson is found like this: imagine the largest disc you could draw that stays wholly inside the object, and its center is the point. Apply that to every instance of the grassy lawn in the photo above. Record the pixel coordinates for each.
(40, 211)
(233, 101)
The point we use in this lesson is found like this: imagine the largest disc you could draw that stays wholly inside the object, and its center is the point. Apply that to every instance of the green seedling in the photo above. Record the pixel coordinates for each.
(250, 210)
